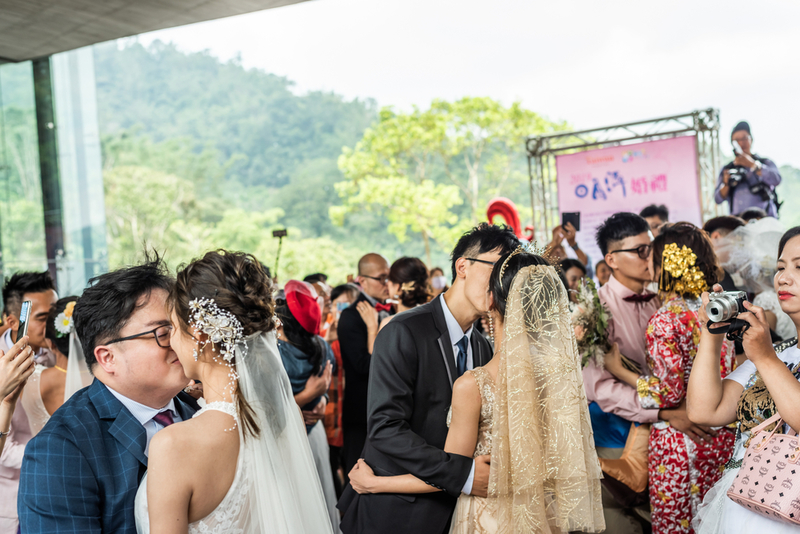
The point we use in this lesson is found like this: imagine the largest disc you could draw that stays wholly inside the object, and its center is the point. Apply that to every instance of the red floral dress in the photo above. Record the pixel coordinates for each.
(680, 470)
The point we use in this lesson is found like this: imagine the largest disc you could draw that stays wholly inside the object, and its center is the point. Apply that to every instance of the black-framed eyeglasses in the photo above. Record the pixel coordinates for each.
(643, 251)
(161, 333)
(487, 262)
(380, 279)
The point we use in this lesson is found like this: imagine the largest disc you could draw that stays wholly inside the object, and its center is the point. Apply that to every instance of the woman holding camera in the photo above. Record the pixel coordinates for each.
(767, 382)
(682, 467)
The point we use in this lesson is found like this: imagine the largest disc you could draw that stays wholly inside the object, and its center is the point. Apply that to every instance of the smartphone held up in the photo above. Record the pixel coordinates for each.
(24, 320)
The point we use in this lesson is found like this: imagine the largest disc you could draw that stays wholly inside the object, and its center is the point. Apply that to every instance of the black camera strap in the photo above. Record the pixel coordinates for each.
(733, 331)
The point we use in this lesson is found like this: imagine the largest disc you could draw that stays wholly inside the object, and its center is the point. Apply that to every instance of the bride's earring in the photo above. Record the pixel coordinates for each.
(491, 329)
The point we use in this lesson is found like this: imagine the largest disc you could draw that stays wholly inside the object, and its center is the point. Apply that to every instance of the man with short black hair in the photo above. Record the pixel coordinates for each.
(417, 358)
(82, 471)
(749, 181)
(752, 214)
(40, 289)
(656, 216)
(625, 241)
(722, 226)
(316, 277)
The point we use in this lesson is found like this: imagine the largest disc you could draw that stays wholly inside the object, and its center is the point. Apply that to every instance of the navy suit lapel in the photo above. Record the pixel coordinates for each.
(445, 345)
(125, 428)
(186, 405)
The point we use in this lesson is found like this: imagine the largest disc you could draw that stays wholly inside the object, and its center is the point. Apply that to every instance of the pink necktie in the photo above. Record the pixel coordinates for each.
(163, 418)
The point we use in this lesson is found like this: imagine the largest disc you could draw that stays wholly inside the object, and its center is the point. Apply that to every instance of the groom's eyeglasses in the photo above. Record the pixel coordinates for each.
(481, 261)
(643, 251)
(161, 333)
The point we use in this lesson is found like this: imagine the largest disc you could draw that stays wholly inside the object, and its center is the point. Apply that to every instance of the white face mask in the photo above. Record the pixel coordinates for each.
(439, 282)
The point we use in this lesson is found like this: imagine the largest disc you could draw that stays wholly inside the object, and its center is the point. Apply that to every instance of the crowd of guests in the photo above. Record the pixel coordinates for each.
(667, 414)
(666, 404)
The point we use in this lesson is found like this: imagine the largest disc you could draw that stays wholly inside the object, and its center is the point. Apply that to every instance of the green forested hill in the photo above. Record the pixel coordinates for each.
(231, 139)
(250, 116)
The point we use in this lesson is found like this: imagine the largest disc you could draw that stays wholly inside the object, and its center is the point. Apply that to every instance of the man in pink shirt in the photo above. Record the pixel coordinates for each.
(624, 239)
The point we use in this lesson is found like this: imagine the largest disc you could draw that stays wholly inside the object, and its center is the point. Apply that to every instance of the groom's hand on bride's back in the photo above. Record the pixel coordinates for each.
(480, 481)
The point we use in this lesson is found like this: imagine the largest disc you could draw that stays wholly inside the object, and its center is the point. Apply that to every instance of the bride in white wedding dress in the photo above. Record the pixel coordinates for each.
(242, 464)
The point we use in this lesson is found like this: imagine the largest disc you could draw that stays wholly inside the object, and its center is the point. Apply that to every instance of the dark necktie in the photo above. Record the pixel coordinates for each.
(644, 297)
(461, 357)
(383, 307)
(163, 418)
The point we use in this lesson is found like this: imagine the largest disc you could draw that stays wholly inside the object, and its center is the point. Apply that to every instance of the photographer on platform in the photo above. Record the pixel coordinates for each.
(749, 181)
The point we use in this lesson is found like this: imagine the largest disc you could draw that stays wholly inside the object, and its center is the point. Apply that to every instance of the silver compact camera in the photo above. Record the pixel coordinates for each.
(725, 306)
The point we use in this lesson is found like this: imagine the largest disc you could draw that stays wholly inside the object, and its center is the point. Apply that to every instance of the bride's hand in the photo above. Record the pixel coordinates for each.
(363, 478)
(194, 389)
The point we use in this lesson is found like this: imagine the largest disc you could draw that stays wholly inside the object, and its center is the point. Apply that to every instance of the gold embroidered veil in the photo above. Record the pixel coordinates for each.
(544, 472)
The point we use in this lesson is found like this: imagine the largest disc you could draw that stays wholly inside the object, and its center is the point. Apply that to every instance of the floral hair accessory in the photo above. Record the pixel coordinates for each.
(221, 327)
(64, 323)
(680, 264)
(408, 286)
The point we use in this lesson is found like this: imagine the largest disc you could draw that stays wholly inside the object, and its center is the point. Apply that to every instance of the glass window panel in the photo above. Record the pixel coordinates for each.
(21, 216)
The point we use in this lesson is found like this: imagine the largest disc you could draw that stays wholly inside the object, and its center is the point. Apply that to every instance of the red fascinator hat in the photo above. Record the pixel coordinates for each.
(301, 298)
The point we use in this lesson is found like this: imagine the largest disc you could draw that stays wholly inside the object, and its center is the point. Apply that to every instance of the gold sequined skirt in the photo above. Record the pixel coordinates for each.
(474, 515)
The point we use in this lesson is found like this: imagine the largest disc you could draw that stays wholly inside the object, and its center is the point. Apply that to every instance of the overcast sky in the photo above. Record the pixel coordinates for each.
(587, 62)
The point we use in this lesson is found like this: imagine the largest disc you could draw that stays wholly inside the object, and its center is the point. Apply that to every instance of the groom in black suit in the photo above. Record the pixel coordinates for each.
(416, 359)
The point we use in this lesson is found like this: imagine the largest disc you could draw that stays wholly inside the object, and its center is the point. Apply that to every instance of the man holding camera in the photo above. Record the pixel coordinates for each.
(748, 181)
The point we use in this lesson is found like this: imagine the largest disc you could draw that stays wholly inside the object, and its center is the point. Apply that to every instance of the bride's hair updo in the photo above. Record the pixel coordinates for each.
(238, 284)
(500, 288)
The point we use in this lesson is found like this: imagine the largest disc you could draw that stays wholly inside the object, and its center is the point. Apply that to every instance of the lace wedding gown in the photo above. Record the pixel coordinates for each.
(276, 487)
(474, 515)
(230, 515)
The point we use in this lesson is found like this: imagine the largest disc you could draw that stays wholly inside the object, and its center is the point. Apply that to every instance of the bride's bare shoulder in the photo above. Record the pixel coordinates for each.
(466, 390)
(208, 431)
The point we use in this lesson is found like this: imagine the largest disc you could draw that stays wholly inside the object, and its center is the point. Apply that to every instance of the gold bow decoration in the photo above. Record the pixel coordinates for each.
(407, 287)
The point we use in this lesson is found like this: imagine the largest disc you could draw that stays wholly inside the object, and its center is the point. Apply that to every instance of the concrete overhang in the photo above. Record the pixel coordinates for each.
(35, 28)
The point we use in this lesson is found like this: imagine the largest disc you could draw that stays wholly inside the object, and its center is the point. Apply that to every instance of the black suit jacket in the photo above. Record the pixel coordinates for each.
(410, 389)
(356, 358)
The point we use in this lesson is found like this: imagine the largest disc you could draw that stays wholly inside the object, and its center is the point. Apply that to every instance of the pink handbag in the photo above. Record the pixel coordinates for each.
(768, 482)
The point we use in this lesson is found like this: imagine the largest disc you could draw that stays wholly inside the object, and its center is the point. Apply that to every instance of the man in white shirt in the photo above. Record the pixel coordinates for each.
(40, 290)
(81, 472)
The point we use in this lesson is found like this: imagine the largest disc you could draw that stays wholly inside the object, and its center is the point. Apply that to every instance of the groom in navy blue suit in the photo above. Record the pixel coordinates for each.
(81, 472)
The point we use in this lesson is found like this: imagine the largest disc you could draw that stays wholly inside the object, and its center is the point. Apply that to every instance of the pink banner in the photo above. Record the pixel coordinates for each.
(599, 183)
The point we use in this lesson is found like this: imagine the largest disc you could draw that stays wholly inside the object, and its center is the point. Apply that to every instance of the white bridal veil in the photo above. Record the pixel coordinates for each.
(286, 495)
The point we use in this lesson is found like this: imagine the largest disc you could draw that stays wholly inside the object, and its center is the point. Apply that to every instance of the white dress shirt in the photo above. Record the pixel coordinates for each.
(144, 414)
(456, 333)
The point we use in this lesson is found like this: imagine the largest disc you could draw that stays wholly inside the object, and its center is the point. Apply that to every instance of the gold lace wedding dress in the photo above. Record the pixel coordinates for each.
(544, 476)
(475, 515)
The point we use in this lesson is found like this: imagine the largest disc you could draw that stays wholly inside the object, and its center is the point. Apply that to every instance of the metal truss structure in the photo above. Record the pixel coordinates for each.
(704, 124)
